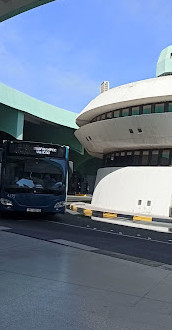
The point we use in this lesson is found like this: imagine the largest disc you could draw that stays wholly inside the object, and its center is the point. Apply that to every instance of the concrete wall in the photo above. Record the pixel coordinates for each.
(139, 92)
(121, 189)
(114, 134)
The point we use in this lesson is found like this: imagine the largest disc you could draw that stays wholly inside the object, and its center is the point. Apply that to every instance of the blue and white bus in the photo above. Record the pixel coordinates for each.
(34, 177)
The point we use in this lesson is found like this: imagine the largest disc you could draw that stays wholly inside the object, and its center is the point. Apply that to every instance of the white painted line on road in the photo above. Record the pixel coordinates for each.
(4, 228)
(74, 245)
(108, 232)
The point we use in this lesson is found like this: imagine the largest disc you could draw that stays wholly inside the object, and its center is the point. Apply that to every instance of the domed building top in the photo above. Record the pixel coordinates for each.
(164, 64)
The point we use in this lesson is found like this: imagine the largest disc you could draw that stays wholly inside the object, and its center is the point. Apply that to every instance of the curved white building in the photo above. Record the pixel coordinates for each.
(130, 127)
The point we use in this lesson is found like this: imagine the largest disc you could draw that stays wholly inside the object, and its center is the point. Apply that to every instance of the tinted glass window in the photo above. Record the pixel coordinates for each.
(112, 157)
(145, 156)
(108, 160)
(116, 114)
(135, 111)
(117, 159)
(25, 174)
(165, 157)
(170, 107)
(154, 157)
(125, 112)
(159, 108)
(129, 158)
(109, 115)
(146, 109)
(136, 157)
(123, 159)
(103, 116)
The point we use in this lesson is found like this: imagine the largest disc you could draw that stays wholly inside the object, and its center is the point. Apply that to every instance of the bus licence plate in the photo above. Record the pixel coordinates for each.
(33, 210)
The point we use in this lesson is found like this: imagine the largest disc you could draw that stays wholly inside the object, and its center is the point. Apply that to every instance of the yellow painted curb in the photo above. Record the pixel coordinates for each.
(109, 215)
(88, 212)
(142, 218)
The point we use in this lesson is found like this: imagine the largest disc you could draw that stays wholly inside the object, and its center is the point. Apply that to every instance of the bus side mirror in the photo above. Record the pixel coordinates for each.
(70, 167)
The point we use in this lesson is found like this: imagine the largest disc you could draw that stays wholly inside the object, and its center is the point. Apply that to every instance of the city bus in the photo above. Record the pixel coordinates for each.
(33, 177)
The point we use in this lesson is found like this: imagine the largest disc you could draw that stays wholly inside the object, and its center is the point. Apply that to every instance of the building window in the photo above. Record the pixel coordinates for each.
(109, 115)
(130, 130)
(117, 159)
(112, 157)
(116, 114)
(154, 157)
(145, 158)
(159, 108)
(103, 117)
(108, 159)
(148, 203)
(140, 130)
(125, 112)
(146, 109)
(136, 157)
(170, 107)
(139, 202)
(122, 159)
(165, 158)
(135, 111)
(129, 158)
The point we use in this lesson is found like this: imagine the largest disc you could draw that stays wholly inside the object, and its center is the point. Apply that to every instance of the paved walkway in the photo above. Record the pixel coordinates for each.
(48, 286)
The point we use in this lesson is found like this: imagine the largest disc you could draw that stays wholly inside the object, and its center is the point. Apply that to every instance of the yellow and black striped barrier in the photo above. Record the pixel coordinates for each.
(100, 214)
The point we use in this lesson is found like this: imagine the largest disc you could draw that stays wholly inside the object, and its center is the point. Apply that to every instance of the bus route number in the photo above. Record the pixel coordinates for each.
(11, 196)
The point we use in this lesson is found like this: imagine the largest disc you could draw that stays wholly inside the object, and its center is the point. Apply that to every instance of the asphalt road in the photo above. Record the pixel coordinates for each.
(84, 279)
(139, 245)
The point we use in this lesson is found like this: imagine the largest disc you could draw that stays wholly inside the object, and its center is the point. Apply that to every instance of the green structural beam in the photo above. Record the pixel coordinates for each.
(25, 117)
(20, 101)
(10, 8)
(11, 122)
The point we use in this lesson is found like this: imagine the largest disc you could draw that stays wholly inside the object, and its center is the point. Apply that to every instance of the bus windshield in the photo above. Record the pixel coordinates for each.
(40, 175)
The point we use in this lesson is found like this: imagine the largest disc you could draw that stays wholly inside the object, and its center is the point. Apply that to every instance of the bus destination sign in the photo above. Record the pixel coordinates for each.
(35, 149)
(44, 151)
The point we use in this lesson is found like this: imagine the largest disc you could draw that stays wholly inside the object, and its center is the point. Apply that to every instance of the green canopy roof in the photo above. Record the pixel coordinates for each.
(34, 107)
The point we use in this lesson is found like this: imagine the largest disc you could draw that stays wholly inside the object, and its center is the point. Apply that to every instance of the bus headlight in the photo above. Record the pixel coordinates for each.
(6, 202)
(59, 204)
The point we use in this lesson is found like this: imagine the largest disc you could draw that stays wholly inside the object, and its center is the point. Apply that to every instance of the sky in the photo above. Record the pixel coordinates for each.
(62, 51)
